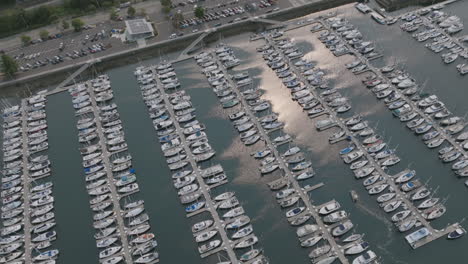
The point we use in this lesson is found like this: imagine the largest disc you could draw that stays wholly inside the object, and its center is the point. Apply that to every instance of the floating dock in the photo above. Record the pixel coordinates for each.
(389, 179)
(443, 133)
(26, 185)
(204, 189)
(311, 209)
(115, 197)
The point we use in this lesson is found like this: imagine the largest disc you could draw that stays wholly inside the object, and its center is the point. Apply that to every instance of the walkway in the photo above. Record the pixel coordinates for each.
(194, 43)
(311, 209)
(27, 229)
(389, 179)
(410, 102)
(210, 206)
(108, 167)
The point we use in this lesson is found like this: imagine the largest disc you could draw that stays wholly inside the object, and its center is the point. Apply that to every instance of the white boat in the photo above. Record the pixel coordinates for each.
(329, 208)
(306, 230)
(342, 228)
(365, 258)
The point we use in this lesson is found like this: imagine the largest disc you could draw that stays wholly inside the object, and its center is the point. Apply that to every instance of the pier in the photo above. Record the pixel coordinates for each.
(303, 194)
(429, 119)
(27, 228)
(210, 206)
(389, 179)
(194, 43)
(107, 166)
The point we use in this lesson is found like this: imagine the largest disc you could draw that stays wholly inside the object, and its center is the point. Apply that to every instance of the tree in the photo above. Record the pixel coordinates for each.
(131, 11)
(77, 24)
(26, 40)
(44, 34)
(199, 12)
(113, 14)
(9, 65)
(91, 8)
(166, 3)
(166, 9)
(142, 12)
(177, 18)
(65, 25)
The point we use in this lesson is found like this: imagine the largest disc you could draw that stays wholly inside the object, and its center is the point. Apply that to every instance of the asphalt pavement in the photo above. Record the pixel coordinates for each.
(81, 44)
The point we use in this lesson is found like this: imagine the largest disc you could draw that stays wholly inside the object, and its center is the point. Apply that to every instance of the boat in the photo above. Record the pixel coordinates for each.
(49, 254)
(320, 251)
(428, 203)
(249, 255)
(306, 230)
(397, 217)
(457, 233)
(234, 212)
(378, 188)
(335, 217)
(295, 211)
(329, 208)
(342, 228)
(238, 222)
(365, 258)
(420, 194)
(357, 249)
(246, 242)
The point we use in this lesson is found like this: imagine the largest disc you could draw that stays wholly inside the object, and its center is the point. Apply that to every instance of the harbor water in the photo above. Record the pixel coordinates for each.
(277, 238)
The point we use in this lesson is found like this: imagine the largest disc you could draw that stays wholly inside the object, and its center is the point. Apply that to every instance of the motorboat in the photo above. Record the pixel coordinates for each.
(365, 258)
(342, 228)
(306, 230)
(329, 208)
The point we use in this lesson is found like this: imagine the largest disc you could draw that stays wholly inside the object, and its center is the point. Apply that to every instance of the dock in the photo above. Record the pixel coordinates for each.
(428, 118)
(284, 167)
(27, 228)
(210, 206)
(389, 179)
(108, 168)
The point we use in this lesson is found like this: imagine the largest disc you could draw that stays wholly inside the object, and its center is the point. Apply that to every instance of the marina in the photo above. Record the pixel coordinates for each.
(363, 151)
(412, 104)
(25, 165)
(178, 142)
(280, 128)
(102, 160)
(287, 184)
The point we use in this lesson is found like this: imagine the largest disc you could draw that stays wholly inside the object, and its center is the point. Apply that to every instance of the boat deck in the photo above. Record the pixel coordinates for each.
(26, 186)
(115, 197)
(210, 206)
(389, 179)
(428, 118)
(284, 167)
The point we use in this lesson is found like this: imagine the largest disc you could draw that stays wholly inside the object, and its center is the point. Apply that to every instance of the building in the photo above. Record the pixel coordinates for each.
(392, 5)
(138, 29)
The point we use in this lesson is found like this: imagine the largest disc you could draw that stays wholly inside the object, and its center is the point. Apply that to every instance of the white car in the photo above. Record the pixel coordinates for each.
(173, 35)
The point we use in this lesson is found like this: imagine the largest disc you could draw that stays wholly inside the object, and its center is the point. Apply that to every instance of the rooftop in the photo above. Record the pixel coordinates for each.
(138, 26)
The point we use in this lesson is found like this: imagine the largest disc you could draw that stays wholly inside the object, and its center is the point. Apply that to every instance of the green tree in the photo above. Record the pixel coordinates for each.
(9, 65)
(177, 18)
(77, 24)
(199, 12)
(166, 2)
(91, 8)
(26, 40)
(131, 11)
(44, 34)
(65, 25)
(142, 12)
(166, 9)
(113, 14)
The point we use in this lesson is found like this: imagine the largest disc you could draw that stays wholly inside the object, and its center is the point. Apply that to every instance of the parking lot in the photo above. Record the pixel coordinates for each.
(226, 12)
(96, 39)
